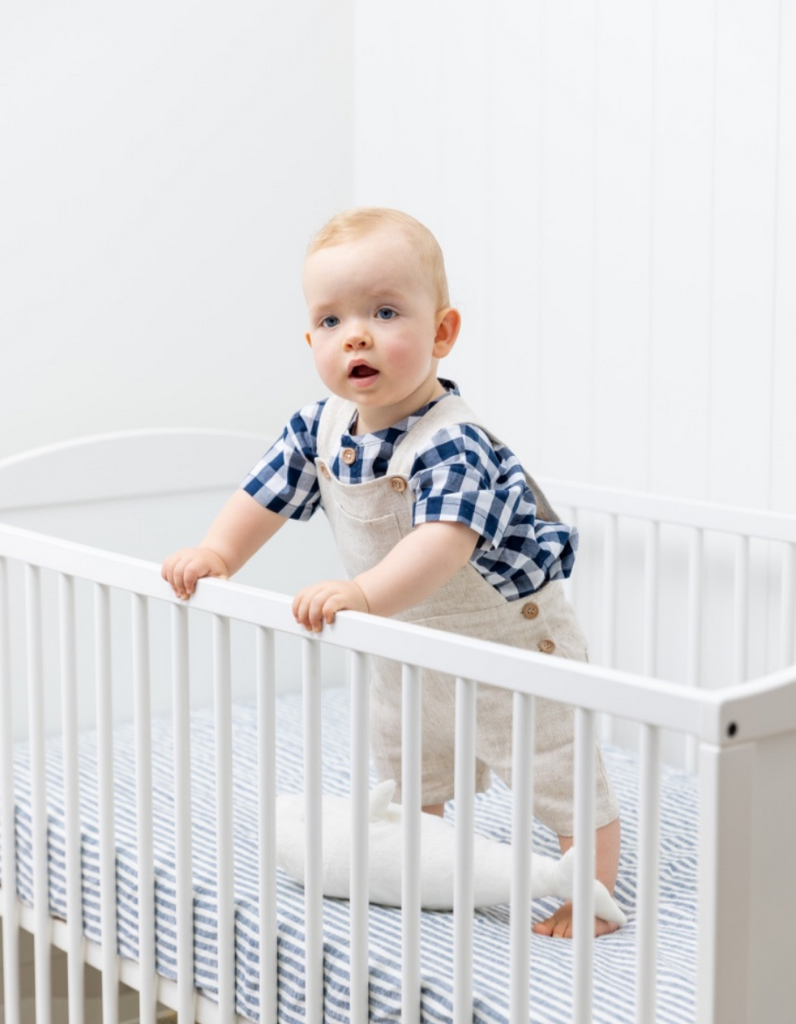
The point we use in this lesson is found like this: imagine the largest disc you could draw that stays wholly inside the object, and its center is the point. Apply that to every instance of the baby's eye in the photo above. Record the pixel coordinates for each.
(330, 321)
(385, 313)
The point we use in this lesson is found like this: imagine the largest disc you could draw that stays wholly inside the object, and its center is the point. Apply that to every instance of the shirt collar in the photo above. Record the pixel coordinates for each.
(451, 388)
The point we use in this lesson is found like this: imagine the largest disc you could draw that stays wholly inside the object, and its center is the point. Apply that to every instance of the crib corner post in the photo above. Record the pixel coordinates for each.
(725, 841)
(772, 890)
(747, 913)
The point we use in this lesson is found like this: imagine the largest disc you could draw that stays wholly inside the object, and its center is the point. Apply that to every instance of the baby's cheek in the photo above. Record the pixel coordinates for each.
(324, 365)
(411, 360)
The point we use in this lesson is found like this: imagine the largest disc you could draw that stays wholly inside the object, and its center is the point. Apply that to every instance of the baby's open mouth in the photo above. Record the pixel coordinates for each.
(363, 371)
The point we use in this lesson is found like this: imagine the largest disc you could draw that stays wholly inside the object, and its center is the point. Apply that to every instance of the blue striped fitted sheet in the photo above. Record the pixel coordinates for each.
(551, 959)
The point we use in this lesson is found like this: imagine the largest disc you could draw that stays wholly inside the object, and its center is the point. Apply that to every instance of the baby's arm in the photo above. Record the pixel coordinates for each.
(238, 532)
(415, 569)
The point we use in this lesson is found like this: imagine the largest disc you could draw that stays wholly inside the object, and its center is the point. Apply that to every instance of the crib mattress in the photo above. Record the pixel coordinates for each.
(551, 959)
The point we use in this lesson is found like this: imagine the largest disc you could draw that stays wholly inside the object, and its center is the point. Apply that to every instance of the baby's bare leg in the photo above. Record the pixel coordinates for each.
(606, 867)
(438, 809)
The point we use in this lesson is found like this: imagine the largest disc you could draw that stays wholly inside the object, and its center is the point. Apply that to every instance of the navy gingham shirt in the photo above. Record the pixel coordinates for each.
(460, 477)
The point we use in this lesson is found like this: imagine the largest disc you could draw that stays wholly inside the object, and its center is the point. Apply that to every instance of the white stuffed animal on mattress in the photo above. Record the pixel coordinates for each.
(491, 860)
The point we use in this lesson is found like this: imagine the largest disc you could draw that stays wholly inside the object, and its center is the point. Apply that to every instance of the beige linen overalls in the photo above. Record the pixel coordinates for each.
(368, 519)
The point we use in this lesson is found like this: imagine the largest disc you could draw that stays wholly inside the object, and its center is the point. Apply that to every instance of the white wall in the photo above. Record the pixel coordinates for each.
(164, 165)
(614, 186)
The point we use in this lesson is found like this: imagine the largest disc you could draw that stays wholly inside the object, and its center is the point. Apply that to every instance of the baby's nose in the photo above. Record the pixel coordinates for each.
(357, 340)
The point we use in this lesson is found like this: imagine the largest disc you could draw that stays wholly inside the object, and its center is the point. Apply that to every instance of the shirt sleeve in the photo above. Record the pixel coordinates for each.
(460, 478)
(285, 479)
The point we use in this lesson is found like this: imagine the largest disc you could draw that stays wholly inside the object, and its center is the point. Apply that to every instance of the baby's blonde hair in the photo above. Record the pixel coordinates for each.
(353, 224)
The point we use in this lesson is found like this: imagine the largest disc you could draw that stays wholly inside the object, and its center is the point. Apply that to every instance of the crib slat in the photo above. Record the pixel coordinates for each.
(571, 584)
(651, 572)
(143, 774)
(38, 785)
(583, 912)
(107, 837)
(463, 894)
(360, 728)
(8, 892)
(694, 664)
(741, 618)
(521, 826)
(609, 589)
(69, 733)
(647, 881)
(609, 608)
(313, 834)
(181, 708)
(222, 698)
(411, 743)
(787, 646)
(266, 747)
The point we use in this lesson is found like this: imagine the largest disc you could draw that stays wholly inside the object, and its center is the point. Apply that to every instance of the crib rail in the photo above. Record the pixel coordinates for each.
(721, 721)
(701, 519)
(703, 515)
(609, 515)
(632, 695)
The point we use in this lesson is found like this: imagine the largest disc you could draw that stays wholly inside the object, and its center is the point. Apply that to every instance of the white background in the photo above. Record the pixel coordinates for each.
(614, 186)
(164, 166)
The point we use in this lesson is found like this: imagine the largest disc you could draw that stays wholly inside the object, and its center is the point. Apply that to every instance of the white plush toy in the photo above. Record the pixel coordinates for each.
(492, 860)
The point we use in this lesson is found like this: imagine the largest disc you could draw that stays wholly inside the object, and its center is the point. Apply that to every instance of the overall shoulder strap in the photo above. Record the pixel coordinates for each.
(447, 413)
(335, 417)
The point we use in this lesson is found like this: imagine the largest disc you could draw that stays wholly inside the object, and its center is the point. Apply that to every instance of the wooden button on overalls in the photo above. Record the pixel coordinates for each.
(547, 646)
(530, 610)
(398, 484)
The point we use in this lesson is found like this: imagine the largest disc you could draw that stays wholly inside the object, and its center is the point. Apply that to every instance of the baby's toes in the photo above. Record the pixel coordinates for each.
(604, 927)
(558, 926)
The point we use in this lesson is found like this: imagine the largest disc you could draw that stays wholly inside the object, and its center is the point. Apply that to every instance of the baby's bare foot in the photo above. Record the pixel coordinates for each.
(559, 926)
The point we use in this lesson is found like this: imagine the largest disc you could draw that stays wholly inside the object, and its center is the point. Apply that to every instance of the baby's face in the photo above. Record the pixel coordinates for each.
(373, 325)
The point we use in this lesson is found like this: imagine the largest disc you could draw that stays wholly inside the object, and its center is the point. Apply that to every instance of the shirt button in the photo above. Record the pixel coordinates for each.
(530, 610)
(547, 646)
(325, 472)
(349, 456)
(398, 484)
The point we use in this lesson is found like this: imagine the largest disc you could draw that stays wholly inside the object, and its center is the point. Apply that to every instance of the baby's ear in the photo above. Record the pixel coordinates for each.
(448, 325)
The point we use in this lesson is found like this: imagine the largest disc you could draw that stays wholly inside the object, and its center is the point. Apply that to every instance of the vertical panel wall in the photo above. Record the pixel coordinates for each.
(613, 185)
(164, 166)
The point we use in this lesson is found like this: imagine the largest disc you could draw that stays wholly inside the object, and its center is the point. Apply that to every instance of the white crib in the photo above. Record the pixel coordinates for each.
(659, 586)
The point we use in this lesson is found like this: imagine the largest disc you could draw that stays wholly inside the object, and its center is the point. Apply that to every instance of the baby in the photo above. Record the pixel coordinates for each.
(434, 517)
